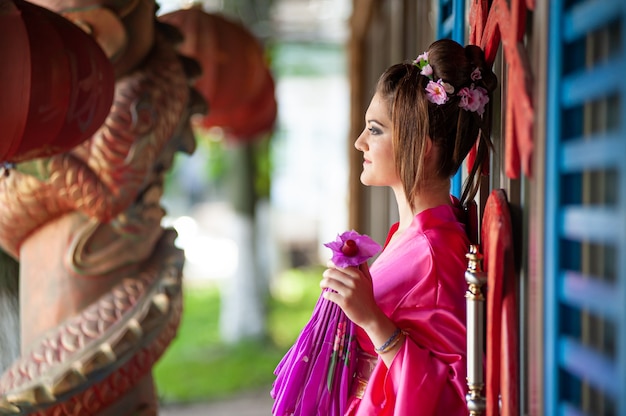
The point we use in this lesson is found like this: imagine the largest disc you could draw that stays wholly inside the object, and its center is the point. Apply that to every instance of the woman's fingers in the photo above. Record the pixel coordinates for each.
(340, 279)
(337, 281)
(333, 297)
(365, 269)
(351, 290)
(334, 291)
(351, 272)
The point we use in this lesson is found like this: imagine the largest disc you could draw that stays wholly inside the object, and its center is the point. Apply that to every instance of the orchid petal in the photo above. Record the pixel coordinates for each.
(367, 248)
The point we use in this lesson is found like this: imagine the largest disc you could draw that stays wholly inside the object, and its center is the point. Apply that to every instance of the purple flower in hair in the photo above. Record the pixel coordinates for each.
(352, 249)
(436, 92)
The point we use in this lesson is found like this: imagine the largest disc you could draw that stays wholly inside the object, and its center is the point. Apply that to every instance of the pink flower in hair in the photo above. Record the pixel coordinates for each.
(483, 96)
(422, 57)
(436, 92)
(466, 99)
(422, 63)
(473, 99)
(476, 75)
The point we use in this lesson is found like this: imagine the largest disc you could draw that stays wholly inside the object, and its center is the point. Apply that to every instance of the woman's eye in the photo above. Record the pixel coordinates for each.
(374, 130)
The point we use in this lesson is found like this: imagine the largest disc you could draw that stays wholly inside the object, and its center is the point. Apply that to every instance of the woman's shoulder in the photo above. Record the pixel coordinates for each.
(442, 221)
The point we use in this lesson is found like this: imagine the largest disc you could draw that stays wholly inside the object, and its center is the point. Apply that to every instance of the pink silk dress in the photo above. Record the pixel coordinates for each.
(419, 283)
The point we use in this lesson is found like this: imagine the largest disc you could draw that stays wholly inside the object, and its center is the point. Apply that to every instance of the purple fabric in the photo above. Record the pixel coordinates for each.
(313, 378)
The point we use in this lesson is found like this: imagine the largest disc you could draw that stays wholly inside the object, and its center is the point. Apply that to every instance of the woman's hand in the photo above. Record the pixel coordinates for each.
(351, 289)
(353, 292)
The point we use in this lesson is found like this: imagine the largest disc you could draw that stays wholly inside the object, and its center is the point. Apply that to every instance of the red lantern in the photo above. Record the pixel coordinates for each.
(250, 118)
(236, 80)
(57, 85)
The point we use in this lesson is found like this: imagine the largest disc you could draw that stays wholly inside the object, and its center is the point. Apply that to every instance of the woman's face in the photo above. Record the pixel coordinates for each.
(375, 142)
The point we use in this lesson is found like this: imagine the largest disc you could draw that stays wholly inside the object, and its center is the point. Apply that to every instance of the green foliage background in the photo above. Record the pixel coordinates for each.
(198, 366)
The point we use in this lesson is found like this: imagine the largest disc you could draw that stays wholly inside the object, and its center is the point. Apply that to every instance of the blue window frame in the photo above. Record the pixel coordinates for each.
(585, 236)
(451, 25)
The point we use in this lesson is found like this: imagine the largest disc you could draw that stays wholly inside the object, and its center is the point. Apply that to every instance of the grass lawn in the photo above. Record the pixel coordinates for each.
(198, 366)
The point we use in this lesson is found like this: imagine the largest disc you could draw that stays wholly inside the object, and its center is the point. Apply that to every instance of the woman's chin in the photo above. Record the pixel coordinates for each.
(367, 181)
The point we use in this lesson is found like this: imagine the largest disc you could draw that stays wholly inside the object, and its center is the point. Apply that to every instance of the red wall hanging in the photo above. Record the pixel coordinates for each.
(505, 22)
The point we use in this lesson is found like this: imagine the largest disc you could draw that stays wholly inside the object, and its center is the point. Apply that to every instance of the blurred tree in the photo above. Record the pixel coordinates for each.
(245, 141)
(244, 306)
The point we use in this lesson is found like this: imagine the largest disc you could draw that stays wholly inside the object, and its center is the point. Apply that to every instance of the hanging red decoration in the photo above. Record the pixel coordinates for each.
(236, 80)
(57, 85)
(504, 22)
(502, 366)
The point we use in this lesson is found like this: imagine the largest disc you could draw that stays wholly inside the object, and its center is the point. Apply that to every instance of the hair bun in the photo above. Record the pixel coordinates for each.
(476, 57)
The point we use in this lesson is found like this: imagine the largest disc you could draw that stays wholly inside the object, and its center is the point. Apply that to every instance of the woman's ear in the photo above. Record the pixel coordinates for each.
(428, 147)
(431, 155)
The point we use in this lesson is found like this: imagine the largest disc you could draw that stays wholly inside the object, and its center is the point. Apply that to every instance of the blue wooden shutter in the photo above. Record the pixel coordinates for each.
(451, 25)
(585, 267)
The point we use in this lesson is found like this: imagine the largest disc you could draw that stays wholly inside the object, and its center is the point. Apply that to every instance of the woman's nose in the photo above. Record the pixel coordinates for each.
(359, 143)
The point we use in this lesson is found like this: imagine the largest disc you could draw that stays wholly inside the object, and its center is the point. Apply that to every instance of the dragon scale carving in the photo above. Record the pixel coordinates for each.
(103, 176)
(101, 276)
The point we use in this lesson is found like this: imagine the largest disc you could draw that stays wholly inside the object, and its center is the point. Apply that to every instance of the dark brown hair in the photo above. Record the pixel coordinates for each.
(451, 128)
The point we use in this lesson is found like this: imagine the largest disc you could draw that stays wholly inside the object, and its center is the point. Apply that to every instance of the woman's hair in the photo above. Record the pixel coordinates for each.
(454, 130)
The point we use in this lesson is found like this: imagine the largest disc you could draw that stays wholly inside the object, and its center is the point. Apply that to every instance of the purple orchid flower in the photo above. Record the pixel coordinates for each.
(352, 249)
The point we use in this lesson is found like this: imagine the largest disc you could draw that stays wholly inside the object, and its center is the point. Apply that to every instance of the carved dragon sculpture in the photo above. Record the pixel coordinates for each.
(100, 280)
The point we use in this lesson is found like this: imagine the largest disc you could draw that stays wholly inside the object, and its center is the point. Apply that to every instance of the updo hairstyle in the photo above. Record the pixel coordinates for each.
(453, 129)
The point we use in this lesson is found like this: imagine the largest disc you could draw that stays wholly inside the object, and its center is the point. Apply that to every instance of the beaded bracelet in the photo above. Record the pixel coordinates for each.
(391, 342)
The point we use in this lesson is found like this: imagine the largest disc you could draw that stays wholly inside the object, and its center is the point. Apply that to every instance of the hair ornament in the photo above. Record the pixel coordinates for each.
(476, 75)
(472, 98)
(422, 63)
(437, 91)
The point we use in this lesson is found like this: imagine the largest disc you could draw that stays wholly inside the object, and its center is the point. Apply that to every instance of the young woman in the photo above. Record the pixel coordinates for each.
(409, 307)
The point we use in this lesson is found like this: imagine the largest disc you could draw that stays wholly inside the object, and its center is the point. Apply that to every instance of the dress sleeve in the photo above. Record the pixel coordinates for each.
(427, 376)
(419, 285)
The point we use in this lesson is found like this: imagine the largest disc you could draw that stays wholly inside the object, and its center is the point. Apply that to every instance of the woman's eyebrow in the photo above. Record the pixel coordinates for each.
(373, 120)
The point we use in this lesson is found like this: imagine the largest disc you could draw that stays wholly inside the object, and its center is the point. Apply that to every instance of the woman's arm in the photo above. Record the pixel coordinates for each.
(351, 289)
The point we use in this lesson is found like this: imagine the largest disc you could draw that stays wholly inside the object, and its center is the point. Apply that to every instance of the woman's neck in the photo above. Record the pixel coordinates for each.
(426, 199)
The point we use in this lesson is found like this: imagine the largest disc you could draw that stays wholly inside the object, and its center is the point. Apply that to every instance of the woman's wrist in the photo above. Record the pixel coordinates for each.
(391, 342)
(382, 330)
